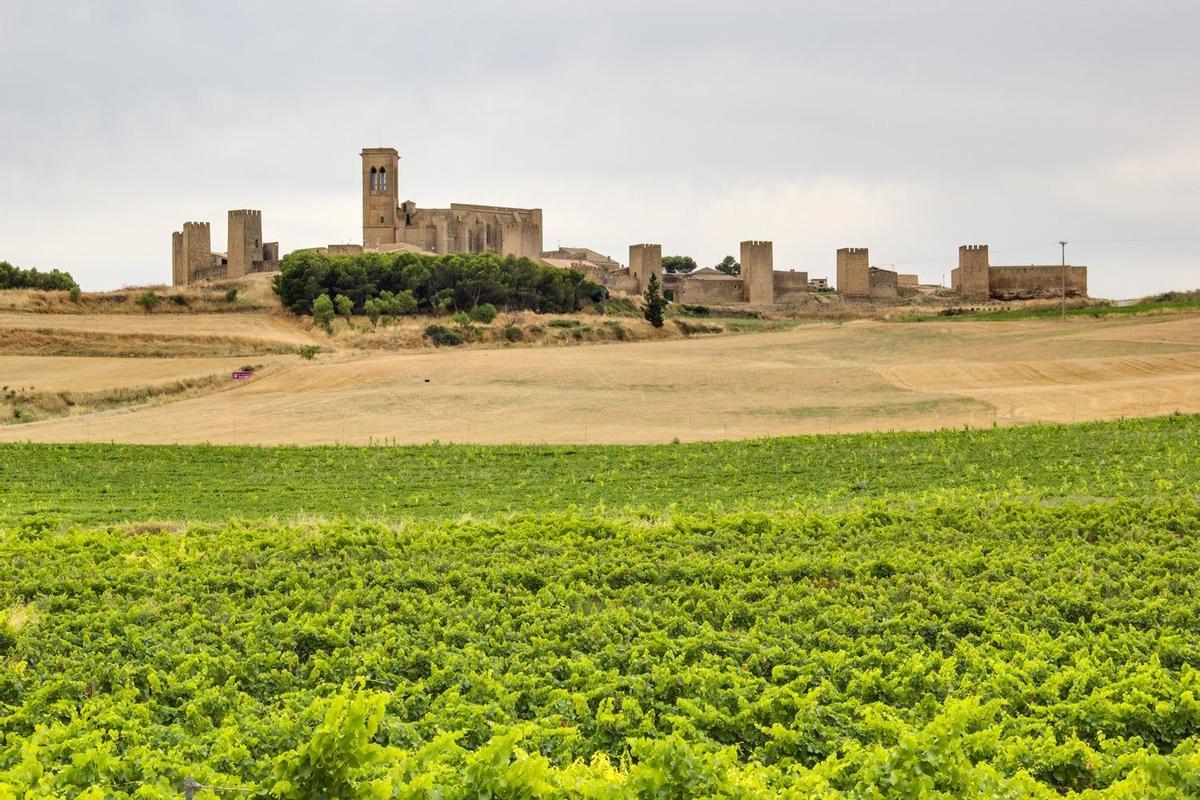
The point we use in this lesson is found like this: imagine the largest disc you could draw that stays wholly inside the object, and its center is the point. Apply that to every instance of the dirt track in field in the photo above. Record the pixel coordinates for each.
(817, 378)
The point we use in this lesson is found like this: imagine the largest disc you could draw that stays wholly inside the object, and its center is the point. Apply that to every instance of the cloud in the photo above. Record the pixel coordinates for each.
(906, 127)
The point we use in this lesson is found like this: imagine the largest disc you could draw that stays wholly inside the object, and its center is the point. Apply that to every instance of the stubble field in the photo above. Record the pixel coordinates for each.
(820, 377)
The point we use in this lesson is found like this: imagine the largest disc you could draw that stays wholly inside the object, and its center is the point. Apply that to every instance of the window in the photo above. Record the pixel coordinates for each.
(374, 179)
(383, 179)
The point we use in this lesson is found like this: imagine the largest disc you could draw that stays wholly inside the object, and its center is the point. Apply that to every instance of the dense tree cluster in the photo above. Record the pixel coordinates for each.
(438, 283)
(678, 263)
(17, 278)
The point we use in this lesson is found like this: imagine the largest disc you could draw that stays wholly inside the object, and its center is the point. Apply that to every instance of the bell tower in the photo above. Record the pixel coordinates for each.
(380, 166)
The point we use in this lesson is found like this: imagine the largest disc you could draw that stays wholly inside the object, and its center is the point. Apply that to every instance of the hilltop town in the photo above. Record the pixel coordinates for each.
(391, 225)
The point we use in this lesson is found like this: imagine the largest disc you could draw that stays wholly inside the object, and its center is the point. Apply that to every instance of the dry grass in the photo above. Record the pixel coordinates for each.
(254, 293)
(25, 405)
(852, 376)
(67, 342)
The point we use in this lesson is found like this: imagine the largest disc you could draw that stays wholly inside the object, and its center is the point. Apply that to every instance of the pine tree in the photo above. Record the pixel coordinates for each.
(654, 302)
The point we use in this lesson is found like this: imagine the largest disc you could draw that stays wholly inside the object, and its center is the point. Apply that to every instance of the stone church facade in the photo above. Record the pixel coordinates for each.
(463, 228)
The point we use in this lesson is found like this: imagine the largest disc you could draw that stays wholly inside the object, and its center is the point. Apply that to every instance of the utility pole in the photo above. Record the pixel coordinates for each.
(1063, 245)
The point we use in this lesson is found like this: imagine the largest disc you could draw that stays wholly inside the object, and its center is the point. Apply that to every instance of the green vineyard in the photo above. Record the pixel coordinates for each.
(870, 629)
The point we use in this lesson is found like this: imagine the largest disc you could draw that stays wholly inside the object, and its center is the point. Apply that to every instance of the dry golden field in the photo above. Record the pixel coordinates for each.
(819, 377)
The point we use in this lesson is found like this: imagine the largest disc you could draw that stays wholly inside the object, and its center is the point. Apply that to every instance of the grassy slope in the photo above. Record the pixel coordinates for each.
(90, 484)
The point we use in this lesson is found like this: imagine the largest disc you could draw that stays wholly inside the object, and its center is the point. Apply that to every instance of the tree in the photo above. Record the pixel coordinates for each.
(678, 263)
(16, 278)
(345, 306)
(323, 312)
(149, 301)
(373, 309)
(654, 302)
(729, 266)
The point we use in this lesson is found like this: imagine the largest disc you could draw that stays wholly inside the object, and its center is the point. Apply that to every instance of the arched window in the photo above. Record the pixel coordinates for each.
(383, 179)
(374, 179)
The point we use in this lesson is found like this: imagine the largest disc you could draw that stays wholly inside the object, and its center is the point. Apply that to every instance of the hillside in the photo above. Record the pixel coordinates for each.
(799, 378)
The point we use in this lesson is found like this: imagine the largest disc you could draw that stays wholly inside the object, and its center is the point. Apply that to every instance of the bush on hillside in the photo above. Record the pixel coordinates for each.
(437, 283)
(442, 336)
(149, 301)
(17, 278)
(484, 313)
(322, 312)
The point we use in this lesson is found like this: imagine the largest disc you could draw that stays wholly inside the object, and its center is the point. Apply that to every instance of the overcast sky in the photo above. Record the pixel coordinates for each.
(907, 127)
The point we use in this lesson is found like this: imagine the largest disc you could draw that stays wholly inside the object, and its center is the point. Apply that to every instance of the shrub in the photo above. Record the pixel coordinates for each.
(322, 312)
(461, 318)
(75, 294)
(484, 313)
(695, 310)
(692, 328)
(231, 295)
(618, 331)
(564, 323)
(179, 299)
(344, 306)
(373, 308)
(442, 336)
(307, 351)
(513, 334)
(149, 301)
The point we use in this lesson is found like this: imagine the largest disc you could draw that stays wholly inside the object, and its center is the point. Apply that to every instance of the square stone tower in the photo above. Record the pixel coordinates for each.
(245, 242)
(191, 249)
(380, 170)
(178, 265)
(758, 272)
(854, 272)
(645, 260)
(972, 279)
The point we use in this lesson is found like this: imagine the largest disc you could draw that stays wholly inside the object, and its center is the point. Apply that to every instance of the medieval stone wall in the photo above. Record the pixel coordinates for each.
(197, 248)
(1023, 283)
(881, 284)
(711, 291)
(758, 270)
(178, 263)
(853, 272)
(645, 260)
(245, 248)
(790, 286)
(970, 279)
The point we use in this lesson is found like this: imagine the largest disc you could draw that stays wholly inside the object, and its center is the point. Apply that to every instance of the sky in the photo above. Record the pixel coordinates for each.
(906, 127)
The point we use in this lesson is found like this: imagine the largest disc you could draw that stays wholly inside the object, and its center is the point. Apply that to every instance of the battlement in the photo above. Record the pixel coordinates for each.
(758, 272)
(245, 212)
(645, 260)
(852, 251)
(973, 247)
(195, 225)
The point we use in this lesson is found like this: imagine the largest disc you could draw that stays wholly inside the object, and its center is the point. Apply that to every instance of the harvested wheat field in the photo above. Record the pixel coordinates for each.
(816, 378)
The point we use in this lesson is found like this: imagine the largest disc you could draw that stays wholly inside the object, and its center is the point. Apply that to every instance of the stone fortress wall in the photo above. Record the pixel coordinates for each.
(192, 257)
(976, 280)
(389, 225)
